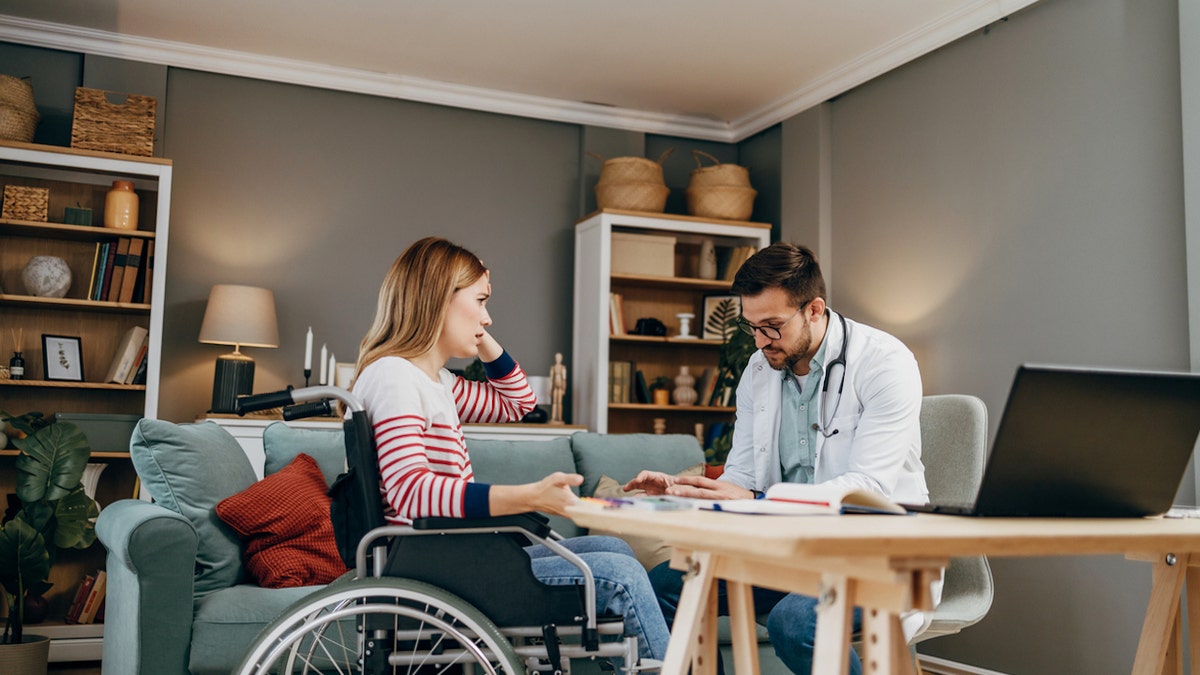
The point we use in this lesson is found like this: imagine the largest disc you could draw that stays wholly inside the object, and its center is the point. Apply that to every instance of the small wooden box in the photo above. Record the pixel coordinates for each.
(643, 254)
(113, 122)
(26, 203)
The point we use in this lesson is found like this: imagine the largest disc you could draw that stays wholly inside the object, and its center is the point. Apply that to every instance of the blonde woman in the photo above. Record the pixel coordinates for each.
(432, 307)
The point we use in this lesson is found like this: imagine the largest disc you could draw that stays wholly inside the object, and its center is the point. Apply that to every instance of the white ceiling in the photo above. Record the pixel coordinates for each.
(714, 69)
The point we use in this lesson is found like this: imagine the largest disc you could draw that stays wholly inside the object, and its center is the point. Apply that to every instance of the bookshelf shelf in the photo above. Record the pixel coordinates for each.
(54, 384)
(30, 228)
(35, 302)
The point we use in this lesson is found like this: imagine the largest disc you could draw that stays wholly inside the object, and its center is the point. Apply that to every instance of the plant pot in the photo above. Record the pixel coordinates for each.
(713, 472)
(29, 657)
(661, 396)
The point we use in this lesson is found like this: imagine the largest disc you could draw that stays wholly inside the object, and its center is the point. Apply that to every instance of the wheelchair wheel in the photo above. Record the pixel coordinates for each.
(381, 625)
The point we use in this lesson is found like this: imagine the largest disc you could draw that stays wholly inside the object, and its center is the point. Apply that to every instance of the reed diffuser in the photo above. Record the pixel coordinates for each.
(16, 365)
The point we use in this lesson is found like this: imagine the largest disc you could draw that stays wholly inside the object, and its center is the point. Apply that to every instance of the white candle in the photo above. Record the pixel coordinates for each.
(324, 379)
(308, 350)
(332, 370)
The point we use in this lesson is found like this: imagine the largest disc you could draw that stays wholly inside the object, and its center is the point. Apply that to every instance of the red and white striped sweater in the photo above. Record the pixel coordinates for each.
(424, 467)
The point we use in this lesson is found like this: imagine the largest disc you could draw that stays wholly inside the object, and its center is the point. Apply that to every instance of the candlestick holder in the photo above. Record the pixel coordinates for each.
(307, 374)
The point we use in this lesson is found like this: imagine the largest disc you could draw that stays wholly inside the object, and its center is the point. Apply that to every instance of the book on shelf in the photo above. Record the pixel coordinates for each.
(113, 290)
(96, 596)
(98, 268)
(138, 361)
(737, 256)
(91, 477)
(706, 385)
(133, 262)
(127, 351)
(81, 595)
(813, 499)
(92, 282)
(142, 289)
(640, 389)
(616, 314)
(110, 260)
(620, 381)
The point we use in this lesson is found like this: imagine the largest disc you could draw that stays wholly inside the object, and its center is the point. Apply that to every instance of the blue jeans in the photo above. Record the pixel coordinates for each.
(622, 587)
(791, 624)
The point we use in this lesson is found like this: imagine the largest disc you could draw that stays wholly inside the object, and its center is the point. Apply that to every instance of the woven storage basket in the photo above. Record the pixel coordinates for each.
(25, 203)
(632, 169)
(126, 127)
(636, 196)
(721, 201)
(718, 174)
(18, 113)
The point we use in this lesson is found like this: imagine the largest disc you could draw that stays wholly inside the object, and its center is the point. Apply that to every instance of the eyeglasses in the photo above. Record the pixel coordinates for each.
(769, 332)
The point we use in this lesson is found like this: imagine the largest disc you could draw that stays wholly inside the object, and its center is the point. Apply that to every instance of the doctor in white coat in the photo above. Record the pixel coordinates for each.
(823, 400)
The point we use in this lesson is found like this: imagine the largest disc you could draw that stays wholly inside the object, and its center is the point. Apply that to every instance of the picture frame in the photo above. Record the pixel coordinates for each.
(62, 358)
(719, 310)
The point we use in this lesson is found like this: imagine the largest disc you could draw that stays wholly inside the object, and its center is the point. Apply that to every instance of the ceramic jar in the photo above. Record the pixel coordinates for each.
(684, 393)
(708, 260)
(121, 206)
(46, 276)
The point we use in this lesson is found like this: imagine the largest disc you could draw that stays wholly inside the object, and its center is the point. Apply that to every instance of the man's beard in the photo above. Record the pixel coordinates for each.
(791, 356)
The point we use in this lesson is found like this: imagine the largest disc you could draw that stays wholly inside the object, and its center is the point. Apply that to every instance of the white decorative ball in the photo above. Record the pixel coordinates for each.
(46, 276)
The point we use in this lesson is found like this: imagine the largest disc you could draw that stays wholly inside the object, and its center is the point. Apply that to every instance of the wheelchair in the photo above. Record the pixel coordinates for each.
(443, 595)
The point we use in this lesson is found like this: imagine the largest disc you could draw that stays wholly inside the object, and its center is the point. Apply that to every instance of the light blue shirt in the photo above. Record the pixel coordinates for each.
(798, 421)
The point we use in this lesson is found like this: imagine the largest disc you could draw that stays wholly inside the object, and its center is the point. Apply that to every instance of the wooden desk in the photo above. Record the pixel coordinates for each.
(884, 564)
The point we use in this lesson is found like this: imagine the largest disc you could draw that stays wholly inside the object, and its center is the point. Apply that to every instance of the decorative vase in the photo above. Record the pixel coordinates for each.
(46, 276)
(121, 206)
(684, 392)
(708, 260)
(29, 657)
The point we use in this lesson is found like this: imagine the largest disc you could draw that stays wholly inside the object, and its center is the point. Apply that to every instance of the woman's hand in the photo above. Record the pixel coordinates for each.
(551, 494)
(489, 348)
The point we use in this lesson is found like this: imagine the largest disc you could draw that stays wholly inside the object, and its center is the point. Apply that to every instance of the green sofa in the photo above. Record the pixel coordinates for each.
(179, 599)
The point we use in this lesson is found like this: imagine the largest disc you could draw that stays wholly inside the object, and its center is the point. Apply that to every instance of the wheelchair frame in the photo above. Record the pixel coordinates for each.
(369, 623)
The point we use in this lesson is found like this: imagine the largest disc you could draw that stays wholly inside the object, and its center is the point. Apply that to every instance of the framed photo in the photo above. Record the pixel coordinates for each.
(62, 358)
(719, 311)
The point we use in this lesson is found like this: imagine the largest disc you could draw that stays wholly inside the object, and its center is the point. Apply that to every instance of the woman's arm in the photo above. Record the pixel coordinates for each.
(505, 397)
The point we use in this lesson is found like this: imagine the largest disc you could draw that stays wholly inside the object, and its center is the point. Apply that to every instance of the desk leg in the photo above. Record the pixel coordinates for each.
(1160, 630)
(884, 648)
(1193, 609)
(835, 615)
(698, 588)
(742, 625)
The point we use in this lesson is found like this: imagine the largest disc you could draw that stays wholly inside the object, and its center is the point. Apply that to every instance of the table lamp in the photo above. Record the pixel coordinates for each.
(242, 316)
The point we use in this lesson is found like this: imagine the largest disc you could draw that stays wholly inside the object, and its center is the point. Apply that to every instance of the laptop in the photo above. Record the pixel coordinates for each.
(1077, 442)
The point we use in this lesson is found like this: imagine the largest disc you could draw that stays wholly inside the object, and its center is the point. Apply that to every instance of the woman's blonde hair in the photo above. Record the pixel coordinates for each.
(414, 298)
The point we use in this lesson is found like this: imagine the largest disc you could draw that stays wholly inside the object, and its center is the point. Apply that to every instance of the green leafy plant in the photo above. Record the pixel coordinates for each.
(55, 513)
(661, 382)
(736, 350)
(20, 426)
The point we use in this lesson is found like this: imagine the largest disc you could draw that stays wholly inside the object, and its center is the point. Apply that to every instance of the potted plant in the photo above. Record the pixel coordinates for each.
(55, 513)
(736, 350)
(660, 390)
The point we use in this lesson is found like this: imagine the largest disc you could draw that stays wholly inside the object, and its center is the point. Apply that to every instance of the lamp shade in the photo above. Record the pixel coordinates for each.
(240, 315)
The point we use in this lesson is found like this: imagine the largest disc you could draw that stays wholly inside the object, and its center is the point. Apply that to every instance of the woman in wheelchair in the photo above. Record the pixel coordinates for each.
(432, 307)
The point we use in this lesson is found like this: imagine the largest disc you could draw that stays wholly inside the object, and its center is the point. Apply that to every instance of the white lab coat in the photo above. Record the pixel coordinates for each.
(878, 444)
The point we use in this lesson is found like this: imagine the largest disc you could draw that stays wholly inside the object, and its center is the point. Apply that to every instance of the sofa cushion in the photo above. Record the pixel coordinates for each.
(284, 521)
(188, 468)
(623, 456)
(227, 621)
(517, 462)
(281, 444)
(649, 550)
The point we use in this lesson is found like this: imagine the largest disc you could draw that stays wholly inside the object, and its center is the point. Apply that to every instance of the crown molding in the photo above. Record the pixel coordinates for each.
(292, 71)
(898, 52)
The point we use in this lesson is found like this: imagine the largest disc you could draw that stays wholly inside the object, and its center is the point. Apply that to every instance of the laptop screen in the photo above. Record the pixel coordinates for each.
(1091, 443)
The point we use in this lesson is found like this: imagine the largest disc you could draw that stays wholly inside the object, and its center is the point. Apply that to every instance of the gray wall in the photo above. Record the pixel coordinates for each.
(314, 193)
(1017, 196)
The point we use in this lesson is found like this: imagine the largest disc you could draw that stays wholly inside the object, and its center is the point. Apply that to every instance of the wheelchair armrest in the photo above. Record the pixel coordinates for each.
(532, 522)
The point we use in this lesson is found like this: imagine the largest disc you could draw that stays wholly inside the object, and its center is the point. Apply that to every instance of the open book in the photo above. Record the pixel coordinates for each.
(804, 499)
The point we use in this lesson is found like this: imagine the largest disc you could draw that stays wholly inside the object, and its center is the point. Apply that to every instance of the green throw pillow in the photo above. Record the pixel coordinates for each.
(623, 456)
(188, 468)
(281, 444)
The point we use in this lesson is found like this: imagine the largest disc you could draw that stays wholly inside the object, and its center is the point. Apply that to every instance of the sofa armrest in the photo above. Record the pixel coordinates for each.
(150, 569)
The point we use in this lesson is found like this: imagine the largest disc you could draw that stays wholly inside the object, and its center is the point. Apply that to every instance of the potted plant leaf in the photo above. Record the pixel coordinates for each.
(736, 350)
(55, 513)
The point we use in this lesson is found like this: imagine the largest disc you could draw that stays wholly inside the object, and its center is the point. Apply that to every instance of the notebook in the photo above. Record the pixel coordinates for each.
(1077, 442)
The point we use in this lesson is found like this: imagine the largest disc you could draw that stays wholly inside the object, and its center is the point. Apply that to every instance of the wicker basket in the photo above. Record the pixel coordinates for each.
(25, 203)
(123, 126)
(18, 113)
(721, 201)
(718, 174)
(636, 196)
(632, 169)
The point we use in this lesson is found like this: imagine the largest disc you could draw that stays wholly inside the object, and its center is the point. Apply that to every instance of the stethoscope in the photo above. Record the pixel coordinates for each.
(839, 360)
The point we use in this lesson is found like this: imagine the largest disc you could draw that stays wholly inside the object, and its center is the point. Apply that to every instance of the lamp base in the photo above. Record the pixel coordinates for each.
(234, 377)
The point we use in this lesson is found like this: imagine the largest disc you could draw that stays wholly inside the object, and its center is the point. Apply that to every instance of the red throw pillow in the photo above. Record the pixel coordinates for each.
(284, 522)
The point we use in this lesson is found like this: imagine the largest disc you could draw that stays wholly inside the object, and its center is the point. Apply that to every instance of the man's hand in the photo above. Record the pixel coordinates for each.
(700, 487)
(652, 482)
